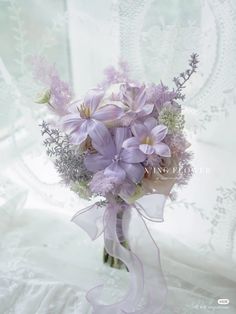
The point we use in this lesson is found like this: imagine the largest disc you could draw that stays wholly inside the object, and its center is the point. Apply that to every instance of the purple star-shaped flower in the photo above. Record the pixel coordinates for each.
(135, 102)
(114, 160)
(148, 138)
(88, 118)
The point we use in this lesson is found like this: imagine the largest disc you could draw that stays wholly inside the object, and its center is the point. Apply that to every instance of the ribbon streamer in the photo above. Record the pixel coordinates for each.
(147, 288)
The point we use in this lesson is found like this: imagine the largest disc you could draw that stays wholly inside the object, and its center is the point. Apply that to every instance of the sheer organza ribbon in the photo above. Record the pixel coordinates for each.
(147, 288)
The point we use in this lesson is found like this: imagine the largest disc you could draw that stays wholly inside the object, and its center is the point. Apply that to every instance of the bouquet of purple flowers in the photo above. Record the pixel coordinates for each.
(120, 144)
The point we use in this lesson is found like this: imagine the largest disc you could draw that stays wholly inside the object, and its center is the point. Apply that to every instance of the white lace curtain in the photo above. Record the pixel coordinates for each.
(156, 37)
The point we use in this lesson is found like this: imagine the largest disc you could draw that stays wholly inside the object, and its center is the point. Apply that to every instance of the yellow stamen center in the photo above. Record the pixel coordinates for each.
(84, 111)
(147, 140)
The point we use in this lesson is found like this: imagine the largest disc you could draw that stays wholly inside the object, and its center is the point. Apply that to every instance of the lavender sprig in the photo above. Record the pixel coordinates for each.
(68, 161)
(185, 76)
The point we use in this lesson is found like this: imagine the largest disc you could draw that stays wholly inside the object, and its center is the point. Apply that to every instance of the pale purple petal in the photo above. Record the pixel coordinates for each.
(96, 162)
(120, 135)
(131, 142)
(128, 93)
(93, 98)
(159, 133)
(101, 138)
(128, 118)
(135, 172)
(141, 98)
(107, 113)
(139, 131)
(146, 110)
(73, 107)
(80, 134)
(115, 170)
(150, 123)
(132, 155)
(71, 121)
(162, 150)
(146, 149)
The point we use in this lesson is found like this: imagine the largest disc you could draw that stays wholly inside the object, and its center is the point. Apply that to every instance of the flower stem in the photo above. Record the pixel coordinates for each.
(111, 260)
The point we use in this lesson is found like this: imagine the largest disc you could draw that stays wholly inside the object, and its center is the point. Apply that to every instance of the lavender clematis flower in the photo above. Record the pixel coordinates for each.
(115, 160)
(89, 118)
(135, 102)
(148, 138)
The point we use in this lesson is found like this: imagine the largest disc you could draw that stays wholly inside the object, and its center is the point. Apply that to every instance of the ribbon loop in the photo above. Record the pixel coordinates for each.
(147, 288)
(90, 219)
(154, 212)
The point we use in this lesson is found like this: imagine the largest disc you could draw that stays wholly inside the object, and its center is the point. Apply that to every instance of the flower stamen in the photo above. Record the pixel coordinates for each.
(147, 140)
(84, 111)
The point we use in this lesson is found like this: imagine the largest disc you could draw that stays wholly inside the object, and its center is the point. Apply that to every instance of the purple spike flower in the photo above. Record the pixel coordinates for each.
(117, 161)
(160, 94)
(114, 76)
(148, 138)
(88, 118)
(109, 183)
(59, 91)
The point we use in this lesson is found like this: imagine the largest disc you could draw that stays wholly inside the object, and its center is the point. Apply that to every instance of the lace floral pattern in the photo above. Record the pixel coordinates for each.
(199, 260)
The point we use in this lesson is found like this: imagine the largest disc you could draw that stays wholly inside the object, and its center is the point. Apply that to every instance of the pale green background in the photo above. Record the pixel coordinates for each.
(46, 263)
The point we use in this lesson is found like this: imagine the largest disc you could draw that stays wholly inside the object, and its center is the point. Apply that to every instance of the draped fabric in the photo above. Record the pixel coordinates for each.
(48, 263)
